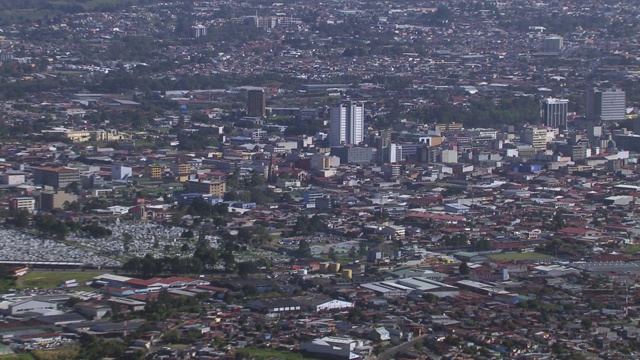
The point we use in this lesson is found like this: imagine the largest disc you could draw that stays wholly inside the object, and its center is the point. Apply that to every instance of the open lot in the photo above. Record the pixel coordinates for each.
(49, 279)
(520, 256)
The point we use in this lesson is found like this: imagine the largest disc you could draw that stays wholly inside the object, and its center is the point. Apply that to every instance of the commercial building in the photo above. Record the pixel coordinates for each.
(56, 177)
(553, 44)
(416, 286)
(154, 171)
(606, 105)
(30, 306)
(337, 348)
(554, 112)
(119, 172)
(23, 203)
(50, 200)
(536, 137)
(394, 153)
(181, 171)
(347, 123)
(10, 178)
(353, 154)
(256, 103)
(198, 31)
(449, 156)
(429, 155)
(217, 188)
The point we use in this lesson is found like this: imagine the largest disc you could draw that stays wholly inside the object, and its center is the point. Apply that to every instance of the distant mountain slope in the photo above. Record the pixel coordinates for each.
(24, 10)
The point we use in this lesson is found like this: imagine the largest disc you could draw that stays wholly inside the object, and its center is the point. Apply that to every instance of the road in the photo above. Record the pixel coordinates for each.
(391, 353)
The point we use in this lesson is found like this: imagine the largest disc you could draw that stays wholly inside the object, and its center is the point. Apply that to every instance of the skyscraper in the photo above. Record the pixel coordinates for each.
(606, 105)
(554, 112)
(347, 123)
(256, 103)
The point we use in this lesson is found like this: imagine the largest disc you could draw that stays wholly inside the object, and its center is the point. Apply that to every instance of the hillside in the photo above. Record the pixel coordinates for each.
(24, 10)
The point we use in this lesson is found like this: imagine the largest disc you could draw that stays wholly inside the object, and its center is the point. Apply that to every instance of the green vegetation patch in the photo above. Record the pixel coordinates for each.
(519, 256)
(22, 356)
(266, 353)
(51, 279)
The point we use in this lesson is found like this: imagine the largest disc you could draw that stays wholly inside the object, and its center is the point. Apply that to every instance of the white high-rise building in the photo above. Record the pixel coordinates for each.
(347, 123)
(554, 112)
(606, 105)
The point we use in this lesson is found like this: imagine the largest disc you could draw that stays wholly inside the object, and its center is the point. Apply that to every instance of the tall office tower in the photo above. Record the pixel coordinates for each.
(606, 105)
(347, 123)
(256, 103)
(553, 43)
(554, 112)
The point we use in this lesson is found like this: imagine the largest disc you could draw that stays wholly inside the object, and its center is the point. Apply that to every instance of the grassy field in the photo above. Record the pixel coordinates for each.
(50, 279)
(519, 256)
(22, 356)
(265, 353)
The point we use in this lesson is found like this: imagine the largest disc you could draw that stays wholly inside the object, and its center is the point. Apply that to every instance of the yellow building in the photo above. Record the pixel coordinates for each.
(109, 135)
(217, 188)
(154, 171)
(181, 171)
(450, 127)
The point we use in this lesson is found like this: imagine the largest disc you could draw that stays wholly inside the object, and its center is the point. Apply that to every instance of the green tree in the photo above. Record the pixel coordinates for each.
(332, 254)
(304, 250)
(353, 253)
(464, 268)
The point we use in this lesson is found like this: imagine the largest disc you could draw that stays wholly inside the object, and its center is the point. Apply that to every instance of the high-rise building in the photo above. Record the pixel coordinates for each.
(347, 123)
(393, 153)
(606, 105)
(554, 112)
(256, 103)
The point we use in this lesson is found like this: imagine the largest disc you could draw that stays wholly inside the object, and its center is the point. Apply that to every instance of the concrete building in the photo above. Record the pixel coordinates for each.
(323, 161)
(353, 154)
(554, 112)
(429, 154)
(198, 31)
(256, 103)
(347, 123)
(50, 200)
(337, 347)
(394, 153)
(180, 171)
(23, 203)
(217, 188)
(12, 178)
(606, 105)
(449, 156)
(553, 43)
(120, 172)
(536, 137)
(30, 306)
(56, 177)
(415, 286)
(154, 171)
